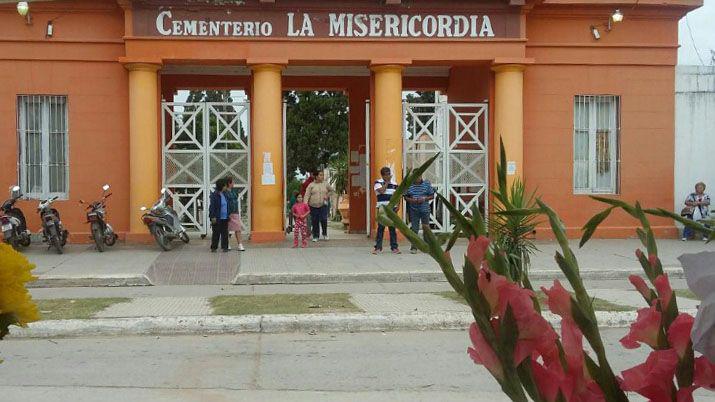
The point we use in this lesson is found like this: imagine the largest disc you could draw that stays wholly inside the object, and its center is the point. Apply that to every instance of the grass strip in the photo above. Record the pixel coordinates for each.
(67, 309)
(686, 293)
(284, 304)
(598, 304)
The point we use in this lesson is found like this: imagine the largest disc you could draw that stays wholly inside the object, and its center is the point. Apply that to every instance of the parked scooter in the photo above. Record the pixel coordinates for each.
(164, 223)
(14, 225)
(102, 232)
(53, 233)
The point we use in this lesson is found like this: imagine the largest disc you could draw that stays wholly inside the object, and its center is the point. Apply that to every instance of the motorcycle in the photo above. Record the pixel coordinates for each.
(53, 232)
(163, 222)
(12, 220)
(102, 232)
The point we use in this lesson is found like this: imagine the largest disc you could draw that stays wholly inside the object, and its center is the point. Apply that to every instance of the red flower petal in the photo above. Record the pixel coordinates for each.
(644, 329)
(704, 373)
(483, 354)
(558, 299)
(654, 378)
(679, 333)
(476, 249)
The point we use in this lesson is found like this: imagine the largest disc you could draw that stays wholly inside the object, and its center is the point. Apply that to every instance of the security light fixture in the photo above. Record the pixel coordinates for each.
(614, 18)
(50, 29)
(23, 8)
(617, 16)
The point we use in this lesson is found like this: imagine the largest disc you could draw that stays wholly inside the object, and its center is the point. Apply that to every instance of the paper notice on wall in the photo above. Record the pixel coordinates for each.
(511, 168)
(268, 178)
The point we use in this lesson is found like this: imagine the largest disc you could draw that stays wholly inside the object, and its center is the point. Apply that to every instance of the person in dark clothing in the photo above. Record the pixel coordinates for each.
(219, 215)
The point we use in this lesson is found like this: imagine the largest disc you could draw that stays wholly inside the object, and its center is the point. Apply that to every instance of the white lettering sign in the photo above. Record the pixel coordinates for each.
(341, 25)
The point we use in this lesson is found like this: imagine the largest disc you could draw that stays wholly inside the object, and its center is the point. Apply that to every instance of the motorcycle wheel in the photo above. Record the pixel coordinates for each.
(184, 237)
(98, 237)
(111, 240)
(160, 237)
(25, 242)
(54, 240)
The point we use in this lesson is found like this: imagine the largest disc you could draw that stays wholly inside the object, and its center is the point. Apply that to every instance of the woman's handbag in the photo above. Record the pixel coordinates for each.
(687, 211)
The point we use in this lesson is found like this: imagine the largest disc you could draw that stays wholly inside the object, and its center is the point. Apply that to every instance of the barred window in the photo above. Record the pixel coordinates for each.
(42, 133)
(596, 144)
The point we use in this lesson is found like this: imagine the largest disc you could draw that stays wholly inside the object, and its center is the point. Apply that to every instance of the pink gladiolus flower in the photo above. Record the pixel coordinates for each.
(535, 336)
(665, 293)
(679, 333)
(644, 329)
(483, 354)
(490, 284)
(640, 285)
(704, 373)
(548, 380)
(654, 378)
(559, 300)
(476, 249)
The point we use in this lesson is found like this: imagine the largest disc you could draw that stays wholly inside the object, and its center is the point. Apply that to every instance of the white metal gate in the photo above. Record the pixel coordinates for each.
(459, 133)
(202, 142)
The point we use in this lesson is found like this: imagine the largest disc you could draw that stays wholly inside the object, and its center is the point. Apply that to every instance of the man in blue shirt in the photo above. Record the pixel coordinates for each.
(418, 198)
(384, 188)
(218, 213)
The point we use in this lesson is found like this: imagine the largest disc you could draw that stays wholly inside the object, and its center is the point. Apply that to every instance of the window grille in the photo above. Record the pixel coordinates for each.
(596, 144)
(43, 162)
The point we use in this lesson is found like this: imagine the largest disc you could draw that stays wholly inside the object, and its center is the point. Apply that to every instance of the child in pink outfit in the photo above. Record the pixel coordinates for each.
(300, 212)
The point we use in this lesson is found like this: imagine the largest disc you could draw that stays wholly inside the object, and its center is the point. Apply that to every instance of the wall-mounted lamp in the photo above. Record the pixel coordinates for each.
(615, 18)
(24, 10)
(50, 29)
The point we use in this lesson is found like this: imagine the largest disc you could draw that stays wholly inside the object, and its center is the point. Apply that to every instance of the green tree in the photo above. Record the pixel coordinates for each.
(317, 129)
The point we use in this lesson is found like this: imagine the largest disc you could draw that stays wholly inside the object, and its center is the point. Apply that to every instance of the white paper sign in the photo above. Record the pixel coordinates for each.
(511, 168)
(268, 179)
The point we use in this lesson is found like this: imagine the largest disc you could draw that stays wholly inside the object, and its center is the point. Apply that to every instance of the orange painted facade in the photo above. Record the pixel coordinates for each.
(93, 42)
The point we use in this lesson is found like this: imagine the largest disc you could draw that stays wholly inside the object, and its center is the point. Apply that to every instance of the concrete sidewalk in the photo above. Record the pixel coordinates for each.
(335, 261)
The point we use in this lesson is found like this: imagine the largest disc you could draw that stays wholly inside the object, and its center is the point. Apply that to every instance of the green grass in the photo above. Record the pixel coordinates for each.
(284, 304)
(67, 309)
(598, 304)
(686, 293)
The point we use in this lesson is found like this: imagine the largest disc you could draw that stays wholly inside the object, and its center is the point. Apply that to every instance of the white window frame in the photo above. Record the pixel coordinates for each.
(614, 131)
(22, 162)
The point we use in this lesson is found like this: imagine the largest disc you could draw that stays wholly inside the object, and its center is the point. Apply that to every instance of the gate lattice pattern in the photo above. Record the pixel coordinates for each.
(458, 132)
(203, 142)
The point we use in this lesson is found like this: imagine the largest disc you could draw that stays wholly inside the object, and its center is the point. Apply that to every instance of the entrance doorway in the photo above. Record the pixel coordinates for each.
(203, 141)
(316, 139)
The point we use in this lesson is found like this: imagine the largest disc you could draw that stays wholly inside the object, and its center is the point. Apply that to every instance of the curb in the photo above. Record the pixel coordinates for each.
(68, 282)
(437, 276)
(273, 324)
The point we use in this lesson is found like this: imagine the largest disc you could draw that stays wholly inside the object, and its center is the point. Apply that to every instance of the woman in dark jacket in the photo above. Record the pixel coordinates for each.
(219, 214)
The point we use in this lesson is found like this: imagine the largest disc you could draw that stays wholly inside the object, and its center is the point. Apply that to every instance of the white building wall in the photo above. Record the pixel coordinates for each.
(694, 131)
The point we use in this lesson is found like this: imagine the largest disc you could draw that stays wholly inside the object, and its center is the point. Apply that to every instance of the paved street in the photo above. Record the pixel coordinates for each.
(403, 366)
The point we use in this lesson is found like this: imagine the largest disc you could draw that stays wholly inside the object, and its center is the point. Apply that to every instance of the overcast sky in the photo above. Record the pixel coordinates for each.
(702, 25)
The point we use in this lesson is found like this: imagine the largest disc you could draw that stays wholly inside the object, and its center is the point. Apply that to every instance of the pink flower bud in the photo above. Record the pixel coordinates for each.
(640, 286)
(665, 293)
(476, 249)
(558, 299)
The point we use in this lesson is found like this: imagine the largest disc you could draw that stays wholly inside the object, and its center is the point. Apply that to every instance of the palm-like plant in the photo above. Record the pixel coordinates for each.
(513, 232)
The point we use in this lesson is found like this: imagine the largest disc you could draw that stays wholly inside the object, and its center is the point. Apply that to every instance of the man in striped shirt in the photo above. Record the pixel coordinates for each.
(418, 198)
(384, 189)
